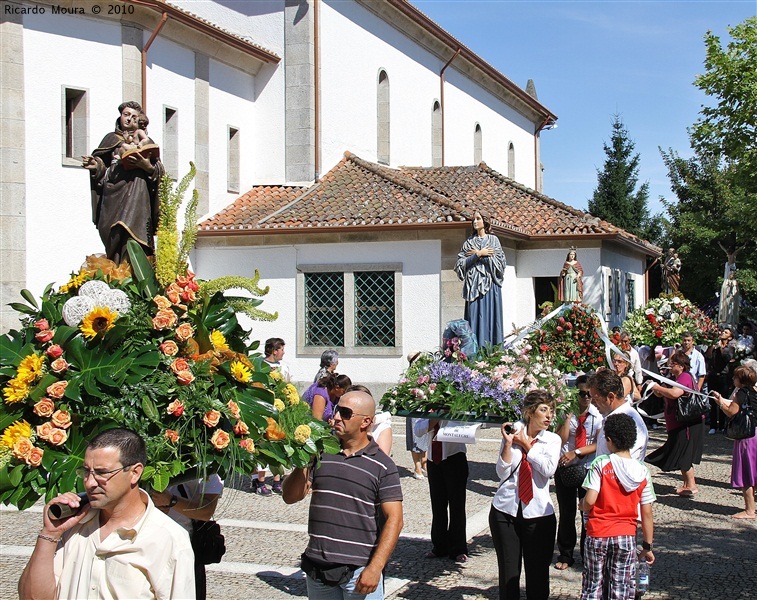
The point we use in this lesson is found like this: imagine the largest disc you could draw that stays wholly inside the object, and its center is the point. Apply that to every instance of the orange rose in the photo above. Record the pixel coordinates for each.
(41, 325)
(169, 348)
(180, 364)
(241, 428)
(174, 293)
(234, 409)
(185, 377)
(176, 408)
(248, 445)
(162, 302)
(54, 351)
(220, 439)
(44, 336)
(59, 365)
(188, 295)
(211, 418)
(273, 431)
(172, 436)
(44, 408)
(44, 430)
(62, 419)
(57, 389)
(184, 332)
(58, 437)
(164, 319)
(22, 449)
(35, 457)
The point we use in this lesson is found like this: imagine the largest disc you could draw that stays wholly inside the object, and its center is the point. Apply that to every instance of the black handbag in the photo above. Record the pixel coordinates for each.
(571, 476)
(691, 407)
(208, 542)
(742, 425)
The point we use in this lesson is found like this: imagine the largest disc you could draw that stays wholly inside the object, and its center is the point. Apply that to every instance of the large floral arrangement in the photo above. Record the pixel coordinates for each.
(488, 387)
(154, 350)
(570, 341)
(664, 319)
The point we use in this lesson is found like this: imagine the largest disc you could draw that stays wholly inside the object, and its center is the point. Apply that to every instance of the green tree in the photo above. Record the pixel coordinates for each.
(616, 198)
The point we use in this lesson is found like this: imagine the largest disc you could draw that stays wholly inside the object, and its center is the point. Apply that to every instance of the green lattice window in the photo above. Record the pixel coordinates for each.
(374, 309)
(324, 309)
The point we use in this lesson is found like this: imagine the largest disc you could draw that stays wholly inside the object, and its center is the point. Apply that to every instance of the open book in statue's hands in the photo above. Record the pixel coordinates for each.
(149, 151)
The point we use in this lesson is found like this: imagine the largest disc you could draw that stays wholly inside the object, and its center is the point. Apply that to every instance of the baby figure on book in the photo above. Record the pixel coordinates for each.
(137, 143)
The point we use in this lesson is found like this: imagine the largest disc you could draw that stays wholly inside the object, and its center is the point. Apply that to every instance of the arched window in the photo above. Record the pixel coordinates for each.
(477, 152)
(382, 118)
(511, 161)
(436, 135)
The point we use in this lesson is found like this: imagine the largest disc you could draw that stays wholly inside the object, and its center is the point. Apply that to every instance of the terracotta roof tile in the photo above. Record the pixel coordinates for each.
(358, 193)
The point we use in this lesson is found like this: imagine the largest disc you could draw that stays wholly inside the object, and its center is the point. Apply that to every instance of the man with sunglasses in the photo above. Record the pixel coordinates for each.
(355, 508)
(119, 545)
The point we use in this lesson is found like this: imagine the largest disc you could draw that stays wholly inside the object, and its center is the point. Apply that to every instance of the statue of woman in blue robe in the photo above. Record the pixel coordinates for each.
(481, 267)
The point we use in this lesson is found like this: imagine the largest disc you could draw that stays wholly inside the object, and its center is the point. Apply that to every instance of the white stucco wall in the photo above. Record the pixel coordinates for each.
(278, 267)
(355, 44)
(74, 52)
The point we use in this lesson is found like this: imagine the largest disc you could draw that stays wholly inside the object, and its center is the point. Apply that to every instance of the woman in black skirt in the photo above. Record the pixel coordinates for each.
(683, 448)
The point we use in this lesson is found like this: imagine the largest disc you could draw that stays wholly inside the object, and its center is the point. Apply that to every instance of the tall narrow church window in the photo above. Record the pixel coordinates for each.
(75, 125)
(232, 153)
(170, 151)
(477, 145)
(382, 118)
(511, 161)
(436, 135)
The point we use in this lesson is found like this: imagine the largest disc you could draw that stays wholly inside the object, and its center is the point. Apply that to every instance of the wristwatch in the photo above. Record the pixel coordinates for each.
(578, 451)
(173, 501)
(646, 546)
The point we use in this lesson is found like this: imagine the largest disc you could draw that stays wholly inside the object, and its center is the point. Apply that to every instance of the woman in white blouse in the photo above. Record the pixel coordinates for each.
(522, 519)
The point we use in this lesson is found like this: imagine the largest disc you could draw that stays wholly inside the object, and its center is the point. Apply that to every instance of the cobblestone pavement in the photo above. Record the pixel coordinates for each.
(701, 552)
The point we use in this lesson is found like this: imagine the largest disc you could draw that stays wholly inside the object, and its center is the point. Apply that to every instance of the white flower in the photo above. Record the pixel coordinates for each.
(676, 300)
(673, 316)
(649, 311)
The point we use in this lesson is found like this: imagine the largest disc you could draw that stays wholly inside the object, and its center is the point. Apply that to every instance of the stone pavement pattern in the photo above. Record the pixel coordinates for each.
(701, 552)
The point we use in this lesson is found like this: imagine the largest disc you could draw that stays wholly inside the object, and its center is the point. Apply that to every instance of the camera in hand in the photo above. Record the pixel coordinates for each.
(56, 512)
(509, 429)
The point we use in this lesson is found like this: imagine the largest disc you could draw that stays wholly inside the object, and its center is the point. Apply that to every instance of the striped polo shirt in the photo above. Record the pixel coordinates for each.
(345, 507)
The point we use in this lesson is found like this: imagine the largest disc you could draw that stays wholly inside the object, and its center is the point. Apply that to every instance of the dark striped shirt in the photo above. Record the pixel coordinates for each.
(345, 508)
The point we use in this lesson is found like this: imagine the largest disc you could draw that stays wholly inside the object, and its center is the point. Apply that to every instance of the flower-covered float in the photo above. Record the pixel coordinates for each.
(152, 349)
(663, 320)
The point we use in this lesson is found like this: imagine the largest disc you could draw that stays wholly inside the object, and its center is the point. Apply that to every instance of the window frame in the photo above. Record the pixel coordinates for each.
(233, 158)
(74, 126)
(350, 348)
(170, 148)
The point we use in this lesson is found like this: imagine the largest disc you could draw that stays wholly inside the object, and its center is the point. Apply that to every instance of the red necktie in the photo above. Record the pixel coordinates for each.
(525, 481)
(581, 431)
(436, 448)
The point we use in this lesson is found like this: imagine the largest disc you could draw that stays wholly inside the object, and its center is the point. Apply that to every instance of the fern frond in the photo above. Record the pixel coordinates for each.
(170, 259)
(189, 234)
(240, 305)
(221, 284)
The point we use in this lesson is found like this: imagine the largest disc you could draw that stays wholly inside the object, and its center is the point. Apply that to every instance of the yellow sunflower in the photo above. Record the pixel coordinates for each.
(75, 282)
(99, 320)
(240, 372)
(13, 433)
(218, 340)
(15, 391)
(30, 368)
(276, 376)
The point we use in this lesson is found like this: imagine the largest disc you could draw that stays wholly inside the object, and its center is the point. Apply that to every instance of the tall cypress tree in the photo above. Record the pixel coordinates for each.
(616, 198)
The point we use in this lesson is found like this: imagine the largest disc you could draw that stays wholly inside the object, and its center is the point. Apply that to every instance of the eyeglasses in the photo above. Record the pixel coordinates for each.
(100, 476)
(347, 413)
(584, 394)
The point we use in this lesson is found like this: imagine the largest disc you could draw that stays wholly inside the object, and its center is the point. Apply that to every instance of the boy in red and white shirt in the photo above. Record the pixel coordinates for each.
(616, 486)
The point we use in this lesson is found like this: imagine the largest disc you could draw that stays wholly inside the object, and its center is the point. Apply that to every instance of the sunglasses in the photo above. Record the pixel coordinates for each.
(346, 413)
(584, 394)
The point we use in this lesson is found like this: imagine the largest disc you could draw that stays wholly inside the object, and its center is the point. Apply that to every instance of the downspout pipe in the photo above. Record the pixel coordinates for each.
(441, 94)
(155, 33)
(317, 90)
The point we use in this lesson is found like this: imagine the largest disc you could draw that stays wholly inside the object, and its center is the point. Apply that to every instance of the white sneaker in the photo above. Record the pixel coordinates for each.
(711, 432)
(418, 475)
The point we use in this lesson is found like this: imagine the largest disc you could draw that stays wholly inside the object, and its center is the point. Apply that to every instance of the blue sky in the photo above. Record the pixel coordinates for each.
(592, 59)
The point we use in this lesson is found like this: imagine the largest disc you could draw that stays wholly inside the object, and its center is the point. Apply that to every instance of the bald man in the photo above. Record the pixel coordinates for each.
(350, 542)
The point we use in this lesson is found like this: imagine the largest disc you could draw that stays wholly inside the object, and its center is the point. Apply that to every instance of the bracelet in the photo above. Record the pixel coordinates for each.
(646, 546)
(47, 538)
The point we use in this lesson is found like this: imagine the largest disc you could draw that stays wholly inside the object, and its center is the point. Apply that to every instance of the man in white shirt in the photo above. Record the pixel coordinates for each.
(119, 545)
(633, 354)
(606, 390)
(698, 365)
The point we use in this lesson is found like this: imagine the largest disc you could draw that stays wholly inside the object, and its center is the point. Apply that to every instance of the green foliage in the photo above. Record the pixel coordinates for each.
(170, 259)
(616, 198)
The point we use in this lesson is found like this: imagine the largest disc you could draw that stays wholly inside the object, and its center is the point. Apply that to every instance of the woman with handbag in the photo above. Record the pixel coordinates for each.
(522, 518)
(683, 448)
(744, 465)
(579, 437)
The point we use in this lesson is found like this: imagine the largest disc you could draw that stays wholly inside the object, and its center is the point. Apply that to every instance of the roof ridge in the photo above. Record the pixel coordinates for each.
(306, 191)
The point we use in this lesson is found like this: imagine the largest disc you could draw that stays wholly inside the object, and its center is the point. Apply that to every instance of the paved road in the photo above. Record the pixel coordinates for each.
(701, 552)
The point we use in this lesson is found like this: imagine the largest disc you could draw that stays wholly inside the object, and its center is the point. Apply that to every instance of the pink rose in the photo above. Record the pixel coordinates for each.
(54, 351)
(62, 419)
(44, 408)
(169, 348)
(248, 445)
(176, 408)
(58, 437)
(180, 364)
(59, 365)
(211, 418)
(162, 302)
(41, 325)
(164, 319)
(44, 336)
(44, 430)
(184, 332)
(57, 389)
(185, 377)
(220, 439)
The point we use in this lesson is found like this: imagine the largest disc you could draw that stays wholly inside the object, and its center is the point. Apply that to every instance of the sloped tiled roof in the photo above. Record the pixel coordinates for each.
(358, 194)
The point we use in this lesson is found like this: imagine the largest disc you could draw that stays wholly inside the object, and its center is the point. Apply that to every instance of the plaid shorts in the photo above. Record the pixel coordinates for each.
(609, 563)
